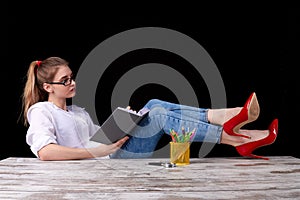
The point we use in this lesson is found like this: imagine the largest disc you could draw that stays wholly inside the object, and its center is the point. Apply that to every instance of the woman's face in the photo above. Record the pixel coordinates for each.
(63, 75)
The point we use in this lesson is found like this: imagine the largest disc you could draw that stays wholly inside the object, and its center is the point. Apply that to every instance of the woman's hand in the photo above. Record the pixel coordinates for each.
(106, 149)
(129, 108)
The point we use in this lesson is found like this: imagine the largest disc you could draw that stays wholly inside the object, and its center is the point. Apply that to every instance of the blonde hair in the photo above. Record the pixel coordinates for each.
(38, 73)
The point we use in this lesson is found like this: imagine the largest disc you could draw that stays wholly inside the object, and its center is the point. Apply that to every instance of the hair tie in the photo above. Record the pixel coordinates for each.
(38, 63)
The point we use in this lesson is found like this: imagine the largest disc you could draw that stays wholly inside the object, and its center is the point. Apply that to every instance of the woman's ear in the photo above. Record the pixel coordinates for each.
(48, 87)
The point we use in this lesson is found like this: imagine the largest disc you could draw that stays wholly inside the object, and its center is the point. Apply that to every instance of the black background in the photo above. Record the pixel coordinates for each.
(255, 49)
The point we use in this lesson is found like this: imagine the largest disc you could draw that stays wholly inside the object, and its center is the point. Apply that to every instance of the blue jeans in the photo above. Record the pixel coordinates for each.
(162, 117)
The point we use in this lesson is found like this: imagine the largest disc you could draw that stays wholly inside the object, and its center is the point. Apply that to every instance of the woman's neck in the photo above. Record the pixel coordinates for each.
(61, 103)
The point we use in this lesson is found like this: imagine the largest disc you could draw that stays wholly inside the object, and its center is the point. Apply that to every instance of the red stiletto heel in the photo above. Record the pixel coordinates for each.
(249, 113)
(248, 148)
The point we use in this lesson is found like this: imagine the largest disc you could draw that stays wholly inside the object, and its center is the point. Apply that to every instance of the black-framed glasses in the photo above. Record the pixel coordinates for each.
(65, 82)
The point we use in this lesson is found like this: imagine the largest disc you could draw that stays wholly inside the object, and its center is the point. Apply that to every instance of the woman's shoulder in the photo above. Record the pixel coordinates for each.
(42, 105)
(40, 109)
(49, 106)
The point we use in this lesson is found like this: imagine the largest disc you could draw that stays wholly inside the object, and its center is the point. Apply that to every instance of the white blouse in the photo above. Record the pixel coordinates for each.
(50, 124)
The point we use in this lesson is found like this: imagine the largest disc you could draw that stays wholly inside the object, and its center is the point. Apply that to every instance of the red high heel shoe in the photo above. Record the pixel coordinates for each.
(249, 113)
(246, 149)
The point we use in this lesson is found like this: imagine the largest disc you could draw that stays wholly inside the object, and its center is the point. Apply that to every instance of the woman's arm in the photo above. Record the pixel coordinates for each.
(58, 152)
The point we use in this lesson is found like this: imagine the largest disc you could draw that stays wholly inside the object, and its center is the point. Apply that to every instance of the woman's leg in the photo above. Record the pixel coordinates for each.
(187, 111)
(213, 116)
(208, 123)
(162, 117)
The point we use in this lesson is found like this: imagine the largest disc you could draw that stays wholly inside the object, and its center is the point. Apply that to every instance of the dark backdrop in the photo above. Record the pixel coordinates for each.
(255, 49)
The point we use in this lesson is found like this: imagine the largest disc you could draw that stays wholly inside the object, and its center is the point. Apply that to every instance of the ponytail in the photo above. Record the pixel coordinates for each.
(31, 94)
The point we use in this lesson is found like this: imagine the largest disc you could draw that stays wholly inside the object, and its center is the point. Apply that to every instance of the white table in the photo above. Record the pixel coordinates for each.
(204, 178)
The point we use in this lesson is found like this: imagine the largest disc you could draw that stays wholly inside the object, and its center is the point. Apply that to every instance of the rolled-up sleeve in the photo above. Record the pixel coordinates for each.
(41, 131)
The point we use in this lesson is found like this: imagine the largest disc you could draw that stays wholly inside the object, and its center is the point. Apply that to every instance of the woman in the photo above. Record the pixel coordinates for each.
(60, 132)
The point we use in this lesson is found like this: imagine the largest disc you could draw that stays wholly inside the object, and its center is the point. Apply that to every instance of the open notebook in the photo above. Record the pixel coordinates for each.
(118, 125)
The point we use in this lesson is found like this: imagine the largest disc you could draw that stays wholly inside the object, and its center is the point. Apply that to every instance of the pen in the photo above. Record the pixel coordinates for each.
(173, 135)
(183, 131)
(173, 139)
(193, 133)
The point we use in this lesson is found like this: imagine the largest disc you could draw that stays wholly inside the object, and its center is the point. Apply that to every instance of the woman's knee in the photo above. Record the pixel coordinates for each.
(157, 111)
(154, 103)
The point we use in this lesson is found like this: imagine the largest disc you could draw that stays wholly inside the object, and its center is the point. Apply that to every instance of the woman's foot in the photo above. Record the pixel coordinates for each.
(220, 116)
(248, 114)
(236, 141)
(259, 138)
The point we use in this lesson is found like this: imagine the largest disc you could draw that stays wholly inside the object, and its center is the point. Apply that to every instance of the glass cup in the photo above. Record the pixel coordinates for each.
(180, 153)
